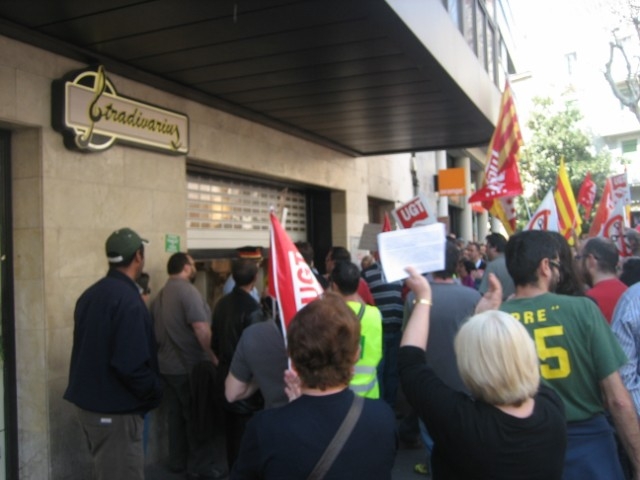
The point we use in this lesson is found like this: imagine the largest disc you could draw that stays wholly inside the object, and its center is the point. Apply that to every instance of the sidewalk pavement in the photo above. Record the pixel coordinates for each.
(406, 458)
(402, 470)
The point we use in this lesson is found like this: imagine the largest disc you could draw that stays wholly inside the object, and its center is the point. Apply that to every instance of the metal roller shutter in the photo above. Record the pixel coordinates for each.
(225, 213)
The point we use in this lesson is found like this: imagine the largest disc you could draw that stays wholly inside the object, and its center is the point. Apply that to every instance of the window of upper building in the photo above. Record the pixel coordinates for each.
(478, 23)
(481, 43)
(453, 8)
(492, 63)
(571, 58)
(629, 146)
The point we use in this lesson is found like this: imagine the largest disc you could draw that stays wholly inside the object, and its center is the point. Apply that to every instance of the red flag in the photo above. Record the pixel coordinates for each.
(292, 281)
(501, 176)
(602, 213)
(587, 194)
(386, 224)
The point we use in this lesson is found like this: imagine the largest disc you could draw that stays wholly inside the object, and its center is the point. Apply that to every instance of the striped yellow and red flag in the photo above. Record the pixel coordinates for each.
(569, 222)
(501, 177)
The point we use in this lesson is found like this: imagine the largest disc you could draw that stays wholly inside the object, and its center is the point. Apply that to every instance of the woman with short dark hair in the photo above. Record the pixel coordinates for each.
(323, 341)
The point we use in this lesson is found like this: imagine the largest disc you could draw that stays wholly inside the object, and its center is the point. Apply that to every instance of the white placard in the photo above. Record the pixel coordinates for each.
(419, 247)
(369, 237)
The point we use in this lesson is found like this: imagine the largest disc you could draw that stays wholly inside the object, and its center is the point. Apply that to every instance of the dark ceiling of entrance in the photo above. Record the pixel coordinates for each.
(347, 74)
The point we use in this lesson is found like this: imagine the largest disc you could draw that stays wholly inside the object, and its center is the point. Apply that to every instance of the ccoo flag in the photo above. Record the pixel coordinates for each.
(614, 228)
(569, 221)
(546, 217)
(293, 283)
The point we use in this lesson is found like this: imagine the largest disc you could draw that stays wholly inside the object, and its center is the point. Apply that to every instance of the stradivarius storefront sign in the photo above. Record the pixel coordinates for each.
(92, 116)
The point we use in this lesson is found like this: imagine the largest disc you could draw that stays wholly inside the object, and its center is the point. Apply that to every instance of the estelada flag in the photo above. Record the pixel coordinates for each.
(604, 208)
(291, 280)
(587, 194)
(614, 228)
(546, 216)
(501, 176)
(569, 221)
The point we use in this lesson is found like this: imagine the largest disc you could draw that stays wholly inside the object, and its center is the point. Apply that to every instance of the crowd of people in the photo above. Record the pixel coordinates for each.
(524, 354)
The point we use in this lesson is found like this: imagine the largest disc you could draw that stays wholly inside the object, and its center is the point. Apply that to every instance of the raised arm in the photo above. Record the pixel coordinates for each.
(492, 298)
(416, 331)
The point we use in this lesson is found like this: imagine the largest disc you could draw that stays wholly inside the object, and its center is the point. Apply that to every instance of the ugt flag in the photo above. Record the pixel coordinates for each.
(501, 176)
(293, 283)
(546, 217)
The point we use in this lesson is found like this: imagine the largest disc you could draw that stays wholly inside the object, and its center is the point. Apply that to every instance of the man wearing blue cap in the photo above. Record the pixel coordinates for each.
(113, 376)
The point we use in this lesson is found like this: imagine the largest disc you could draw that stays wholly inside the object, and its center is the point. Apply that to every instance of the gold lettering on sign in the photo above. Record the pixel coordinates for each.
(97, 117)
(134, 118)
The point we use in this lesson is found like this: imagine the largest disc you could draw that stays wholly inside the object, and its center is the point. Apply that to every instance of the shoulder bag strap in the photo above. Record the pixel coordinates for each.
(360, 313)
(339, 439)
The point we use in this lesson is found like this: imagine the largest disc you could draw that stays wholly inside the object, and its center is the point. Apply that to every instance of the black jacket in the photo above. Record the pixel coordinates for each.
(114, 366)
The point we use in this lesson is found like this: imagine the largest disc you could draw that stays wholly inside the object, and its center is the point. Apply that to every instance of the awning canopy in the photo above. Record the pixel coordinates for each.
(348, 74)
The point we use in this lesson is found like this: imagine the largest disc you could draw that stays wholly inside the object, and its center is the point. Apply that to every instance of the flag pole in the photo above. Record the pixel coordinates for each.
(526, 204)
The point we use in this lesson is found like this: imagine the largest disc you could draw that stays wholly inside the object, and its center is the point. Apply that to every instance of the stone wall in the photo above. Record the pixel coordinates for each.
(66, 203)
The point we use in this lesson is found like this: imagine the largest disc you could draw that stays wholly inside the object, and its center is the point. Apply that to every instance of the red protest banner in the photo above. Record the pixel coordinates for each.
(291, 279)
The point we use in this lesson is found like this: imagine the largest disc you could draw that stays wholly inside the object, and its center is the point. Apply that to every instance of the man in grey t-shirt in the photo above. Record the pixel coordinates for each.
(183, 331)
(259, 362)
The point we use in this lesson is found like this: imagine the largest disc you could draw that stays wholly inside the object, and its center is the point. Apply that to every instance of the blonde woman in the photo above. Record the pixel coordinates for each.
(512, 427)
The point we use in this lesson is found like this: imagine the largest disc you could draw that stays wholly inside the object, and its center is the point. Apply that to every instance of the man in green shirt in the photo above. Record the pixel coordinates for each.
(579, 358)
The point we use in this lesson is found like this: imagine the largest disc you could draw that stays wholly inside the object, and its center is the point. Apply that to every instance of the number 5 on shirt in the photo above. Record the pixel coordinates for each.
(561, 367)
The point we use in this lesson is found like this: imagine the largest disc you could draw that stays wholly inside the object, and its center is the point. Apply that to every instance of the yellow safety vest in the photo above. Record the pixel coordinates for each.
(365, 378)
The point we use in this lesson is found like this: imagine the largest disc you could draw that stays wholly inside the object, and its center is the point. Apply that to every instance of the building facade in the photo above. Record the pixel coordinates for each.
(60, 204)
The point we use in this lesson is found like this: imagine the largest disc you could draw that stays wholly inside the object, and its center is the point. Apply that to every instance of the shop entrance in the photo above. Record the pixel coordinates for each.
(227, 211)
(8, 414)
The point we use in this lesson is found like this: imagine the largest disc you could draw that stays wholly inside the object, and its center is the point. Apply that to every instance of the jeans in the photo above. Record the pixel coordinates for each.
(388, 376)
(591, 451)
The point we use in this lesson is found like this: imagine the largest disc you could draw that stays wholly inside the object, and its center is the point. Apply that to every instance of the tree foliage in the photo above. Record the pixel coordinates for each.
(556, 133)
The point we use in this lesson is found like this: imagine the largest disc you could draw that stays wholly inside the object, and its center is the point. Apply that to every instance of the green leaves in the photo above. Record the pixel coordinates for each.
(556, 132)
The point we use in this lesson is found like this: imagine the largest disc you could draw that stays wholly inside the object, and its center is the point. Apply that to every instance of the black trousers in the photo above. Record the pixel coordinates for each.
(234, 427)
